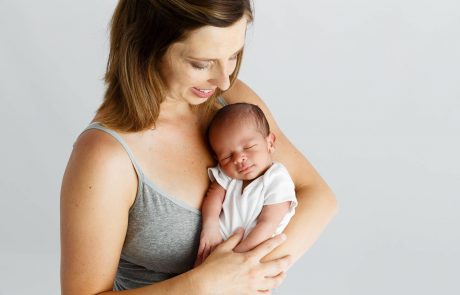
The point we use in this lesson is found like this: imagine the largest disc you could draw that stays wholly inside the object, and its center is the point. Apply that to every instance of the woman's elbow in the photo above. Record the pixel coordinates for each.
(331, 203)
(324, 197)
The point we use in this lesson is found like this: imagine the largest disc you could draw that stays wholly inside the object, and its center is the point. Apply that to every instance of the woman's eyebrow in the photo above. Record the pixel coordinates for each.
(214, 59)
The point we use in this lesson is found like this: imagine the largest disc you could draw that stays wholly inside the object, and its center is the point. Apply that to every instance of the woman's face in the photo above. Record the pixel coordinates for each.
(195, 67)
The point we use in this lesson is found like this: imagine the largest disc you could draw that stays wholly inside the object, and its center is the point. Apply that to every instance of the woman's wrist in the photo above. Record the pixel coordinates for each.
(197, 281)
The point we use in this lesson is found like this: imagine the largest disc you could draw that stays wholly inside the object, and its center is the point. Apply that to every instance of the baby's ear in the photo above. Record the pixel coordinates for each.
(271, 138)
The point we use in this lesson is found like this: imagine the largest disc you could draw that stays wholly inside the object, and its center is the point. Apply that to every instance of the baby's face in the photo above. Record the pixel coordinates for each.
(242, 151)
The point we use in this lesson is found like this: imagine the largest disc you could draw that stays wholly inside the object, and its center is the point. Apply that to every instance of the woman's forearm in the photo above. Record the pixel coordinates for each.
(191, 281)
(317, 205)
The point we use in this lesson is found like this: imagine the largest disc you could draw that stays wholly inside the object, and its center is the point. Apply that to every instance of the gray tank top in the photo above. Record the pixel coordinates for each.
(162, 236)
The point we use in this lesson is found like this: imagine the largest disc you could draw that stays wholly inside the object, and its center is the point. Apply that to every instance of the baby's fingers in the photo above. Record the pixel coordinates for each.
(199, 257)
(201, 249)
(206, 253)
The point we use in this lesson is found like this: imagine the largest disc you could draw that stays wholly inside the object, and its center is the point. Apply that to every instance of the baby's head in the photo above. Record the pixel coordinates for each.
(240, 137)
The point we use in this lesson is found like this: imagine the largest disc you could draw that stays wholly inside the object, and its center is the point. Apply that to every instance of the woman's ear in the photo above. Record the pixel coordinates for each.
(271, 138)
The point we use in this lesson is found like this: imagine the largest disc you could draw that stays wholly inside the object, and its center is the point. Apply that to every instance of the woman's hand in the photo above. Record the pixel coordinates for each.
(227, 272)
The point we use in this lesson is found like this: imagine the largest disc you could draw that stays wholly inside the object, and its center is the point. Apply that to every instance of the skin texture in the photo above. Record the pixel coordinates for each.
(100, 185)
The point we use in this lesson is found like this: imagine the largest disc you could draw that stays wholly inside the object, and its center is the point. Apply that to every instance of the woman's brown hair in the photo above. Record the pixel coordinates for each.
(141, 33)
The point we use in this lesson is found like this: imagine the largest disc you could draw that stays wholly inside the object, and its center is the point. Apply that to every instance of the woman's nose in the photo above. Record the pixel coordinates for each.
(221, 78)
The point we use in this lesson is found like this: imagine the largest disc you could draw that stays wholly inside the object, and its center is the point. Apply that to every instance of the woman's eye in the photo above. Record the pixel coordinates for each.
(234, 57)
(250, 147)
(199, 66)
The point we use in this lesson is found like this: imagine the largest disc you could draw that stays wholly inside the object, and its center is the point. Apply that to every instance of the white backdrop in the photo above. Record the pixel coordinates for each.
(369, 91)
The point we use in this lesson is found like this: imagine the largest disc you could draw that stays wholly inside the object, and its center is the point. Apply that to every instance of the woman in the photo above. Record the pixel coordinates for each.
(135, 181)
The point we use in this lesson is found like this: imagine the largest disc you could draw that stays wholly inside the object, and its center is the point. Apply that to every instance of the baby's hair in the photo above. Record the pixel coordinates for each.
(240, 111)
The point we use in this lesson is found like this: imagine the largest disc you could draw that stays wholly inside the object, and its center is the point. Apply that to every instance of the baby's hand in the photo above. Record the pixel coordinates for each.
(209, 240)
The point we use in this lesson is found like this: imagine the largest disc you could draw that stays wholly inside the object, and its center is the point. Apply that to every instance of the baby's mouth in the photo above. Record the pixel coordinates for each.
(245, 169)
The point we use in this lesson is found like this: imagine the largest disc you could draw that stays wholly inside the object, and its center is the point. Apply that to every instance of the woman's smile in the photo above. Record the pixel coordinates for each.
(203, 93)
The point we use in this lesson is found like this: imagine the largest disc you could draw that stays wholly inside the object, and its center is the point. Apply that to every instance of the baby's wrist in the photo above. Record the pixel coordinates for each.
(211, 224)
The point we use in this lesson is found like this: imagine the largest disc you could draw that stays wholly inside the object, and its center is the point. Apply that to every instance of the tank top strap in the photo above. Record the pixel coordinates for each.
(221, 101)
(114, 134)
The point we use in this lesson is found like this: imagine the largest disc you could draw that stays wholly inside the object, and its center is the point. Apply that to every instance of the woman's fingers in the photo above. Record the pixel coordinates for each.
(243, 273)
(266, 247)
(274, 282)
(273, 268)
(273, 273)
(233, 241)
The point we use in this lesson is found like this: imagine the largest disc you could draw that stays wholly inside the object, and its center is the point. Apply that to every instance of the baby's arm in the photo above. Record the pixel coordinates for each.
(210, 211)
(267, 222)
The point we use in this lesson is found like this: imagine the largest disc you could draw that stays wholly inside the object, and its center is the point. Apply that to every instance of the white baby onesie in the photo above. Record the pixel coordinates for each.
(242, 207)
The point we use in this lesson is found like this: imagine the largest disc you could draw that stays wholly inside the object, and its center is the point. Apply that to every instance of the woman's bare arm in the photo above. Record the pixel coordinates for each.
(94, 210)
(317, 203)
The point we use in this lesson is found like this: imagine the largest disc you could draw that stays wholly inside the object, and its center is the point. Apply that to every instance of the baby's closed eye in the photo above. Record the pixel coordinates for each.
(226, 157)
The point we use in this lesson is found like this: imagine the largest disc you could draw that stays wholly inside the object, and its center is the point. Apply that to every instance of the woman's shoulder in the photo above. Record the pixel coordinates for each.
(99, 159)
(98, 145)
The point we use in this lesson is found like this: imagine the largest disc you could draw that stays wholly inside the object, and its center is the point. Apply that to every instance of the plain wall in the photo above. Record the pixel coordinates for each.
(369, 91)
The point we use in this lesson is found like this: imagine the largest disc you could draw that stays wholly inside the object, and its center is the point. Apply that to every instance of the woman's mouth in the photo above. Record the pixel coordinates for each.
(203, 93)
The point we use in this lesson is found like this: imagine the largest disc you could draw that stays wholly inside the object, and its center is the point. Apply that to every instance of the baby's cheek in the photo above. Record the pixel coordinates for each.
(227, 168)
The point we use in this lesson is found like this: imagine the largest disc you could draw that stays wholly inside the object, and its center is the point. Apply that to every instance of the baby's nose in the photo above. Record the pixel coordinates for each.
(239, 157)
